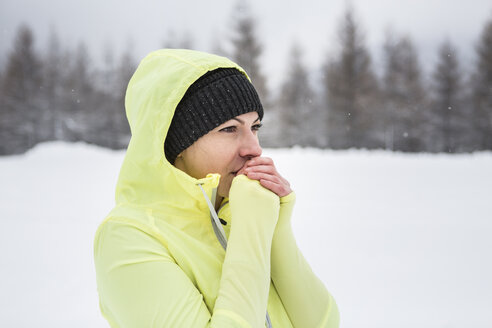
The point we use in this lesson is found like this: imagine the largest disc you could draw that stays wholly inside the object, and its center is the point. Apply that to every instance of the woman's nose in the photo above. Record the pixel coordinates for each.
(250, 146)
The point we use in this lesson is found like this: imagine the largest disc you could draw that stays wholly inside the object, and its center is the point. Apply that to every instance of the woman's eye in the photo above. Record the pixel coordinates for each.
(229, 129)
(256, 127)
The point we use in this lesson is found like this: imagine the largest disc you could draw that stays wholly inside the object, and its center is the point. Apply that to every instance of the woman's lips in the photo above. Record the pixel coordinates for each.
(239, 169)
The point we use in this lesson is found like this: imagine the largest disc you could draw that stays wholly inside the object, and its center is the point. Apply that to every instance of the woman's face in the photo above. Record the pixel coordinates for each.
(223, 150)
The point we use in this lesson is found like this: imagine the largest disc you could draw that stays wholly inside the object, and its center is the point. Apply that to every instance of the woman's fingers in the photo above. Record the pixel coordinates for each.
(241, 171)
(272, 182)
(263, 169)
(278, 189)
(270, 169)
(266, 176)
(259, 161)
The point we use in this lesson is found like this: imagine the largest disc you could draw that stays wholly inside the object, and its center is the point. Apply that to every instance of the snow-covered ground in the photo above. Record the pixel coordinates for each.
(401, 241)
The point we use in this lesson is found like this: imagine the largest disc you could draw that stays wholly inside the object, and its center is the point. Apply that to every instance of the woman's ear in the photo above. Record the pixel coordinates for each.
(178, 162)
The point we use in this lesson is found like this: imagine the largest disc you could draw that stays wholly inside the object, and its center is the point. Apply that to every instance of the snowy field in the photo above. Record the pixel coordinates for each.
(401, 241)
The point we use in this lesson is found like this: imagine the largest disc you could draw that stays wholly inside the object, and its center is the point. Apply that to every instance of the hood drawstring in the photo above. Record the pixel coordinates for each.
(219, 231)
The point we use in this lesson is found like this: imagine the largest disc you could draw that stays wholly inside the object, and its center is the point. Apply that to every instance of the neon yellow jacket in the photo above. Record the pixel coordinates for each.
(158, 261)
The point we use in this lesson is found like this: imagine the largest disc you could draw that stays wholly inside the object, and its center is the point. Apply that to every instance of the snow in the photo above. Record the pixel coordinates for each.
(400, 240)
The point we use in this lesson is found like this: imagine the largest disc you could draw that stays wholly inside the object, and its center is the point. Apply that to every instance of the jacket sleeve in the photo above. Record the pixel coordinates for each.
(245, 280)
(140, 285)
(303, 295)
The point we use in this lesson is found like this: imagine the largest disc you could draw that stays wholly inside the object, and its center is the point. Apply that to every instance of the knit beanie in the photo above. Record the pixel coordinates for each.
(216, 97)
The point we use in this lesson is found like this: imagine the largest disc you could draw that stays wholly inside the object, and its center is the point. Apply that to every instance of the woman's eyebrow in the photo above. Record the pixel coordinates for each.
(242, 122)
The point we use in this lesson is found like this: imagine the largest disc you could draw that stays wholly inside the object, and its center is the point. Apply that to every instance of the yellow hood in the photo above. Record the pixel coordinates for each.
(157, 86)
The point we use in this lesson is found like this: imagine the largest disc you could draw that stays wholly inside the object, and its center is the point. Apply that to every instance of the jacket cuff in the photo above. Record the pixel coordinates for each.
(288, 198)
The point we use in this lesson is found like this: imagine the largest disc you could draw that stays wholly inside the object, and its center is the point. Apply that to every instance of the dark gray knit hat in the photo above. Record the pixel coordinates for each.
(213, 99)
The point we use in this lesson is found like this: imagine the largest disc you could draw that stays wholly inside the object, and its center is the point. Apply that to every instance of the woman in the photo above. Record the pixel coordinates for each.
(200, 235)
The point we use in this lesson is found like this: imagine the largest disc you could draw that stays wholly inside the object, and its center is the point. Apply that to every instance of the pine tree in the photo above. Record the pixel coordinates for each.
(482, 90)
(80, 102)
(127, 65)
(104, 114)
(21, 89)
(448, 109)
(404, 97)
(299, 123)
(247, 49)
(351, 90)
(53, 64)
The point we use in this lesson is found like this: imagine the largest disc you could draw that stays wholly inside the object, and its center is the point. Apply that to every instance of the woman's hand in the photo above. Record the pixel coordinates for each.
(263, 169)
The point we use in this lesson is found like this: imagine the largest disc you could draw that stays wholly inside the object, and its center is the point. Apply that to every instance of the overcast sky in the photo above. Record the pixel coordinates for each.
(313, 23)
